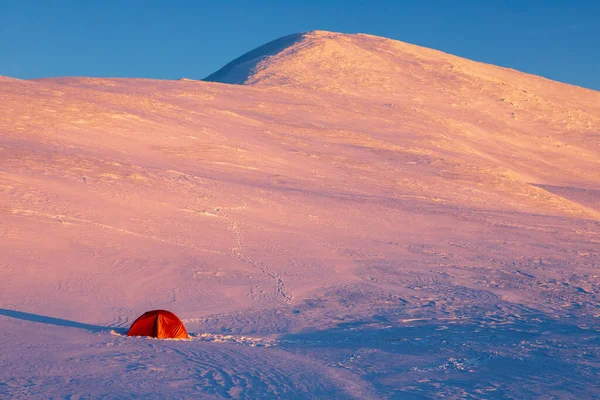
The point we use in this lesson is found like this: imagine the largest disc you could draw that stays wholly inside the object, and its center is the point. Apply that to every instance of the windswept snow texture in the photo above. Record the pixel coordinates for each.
(363, 218)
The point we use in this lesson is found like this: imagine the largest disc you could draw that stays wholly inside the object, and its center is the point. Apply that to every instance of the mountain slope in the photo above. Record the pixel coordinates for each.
(471, 102)
(373, 211)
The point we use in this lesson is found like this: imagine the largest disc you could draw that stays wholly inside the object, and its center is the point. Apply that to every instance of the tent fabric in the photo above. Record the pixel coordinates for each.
(160, 324)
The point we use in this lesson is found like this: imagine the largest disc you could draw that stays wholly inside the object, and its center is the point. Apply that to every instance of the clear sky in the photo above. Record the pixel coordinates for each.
(169, 39)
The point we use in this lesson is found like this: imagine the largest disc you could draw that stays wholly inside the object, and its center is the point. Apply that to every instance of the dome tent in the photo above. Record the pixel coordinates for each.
(159, 324)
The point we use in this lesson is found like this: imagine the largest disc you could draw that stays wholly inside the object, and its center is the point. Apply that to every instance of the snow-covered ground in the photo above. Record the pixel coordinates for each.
(362, 218)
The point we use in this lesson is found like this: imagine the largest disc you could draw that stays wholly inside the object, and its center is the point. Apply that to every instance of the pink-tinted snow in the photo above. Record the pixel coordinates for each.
(362, 218)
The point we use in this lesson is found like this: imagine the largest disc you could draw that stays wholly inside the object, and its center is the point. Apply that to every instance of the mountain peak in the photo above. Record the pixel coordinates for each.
(275, 63)
(376, 67)
(338, 62)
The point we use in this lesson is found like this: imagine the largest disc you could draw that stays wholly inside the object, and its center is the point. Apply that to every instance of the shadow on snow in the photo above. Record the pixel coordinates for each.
(528, 356)
(56, 321)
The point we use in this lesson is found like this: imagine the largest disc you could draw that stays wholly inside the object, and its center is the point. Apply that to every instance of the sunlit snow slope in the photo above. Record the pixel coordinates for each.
(337, 216)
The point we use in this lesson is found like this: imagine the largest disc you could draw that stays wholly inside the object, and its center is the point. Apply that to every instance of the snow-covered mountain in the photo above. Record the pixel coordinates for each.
(331, 216)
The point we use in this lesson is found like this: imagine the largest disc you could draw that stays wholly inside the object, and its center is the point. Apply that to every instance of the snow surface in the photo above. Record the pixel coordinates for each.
(363, 218)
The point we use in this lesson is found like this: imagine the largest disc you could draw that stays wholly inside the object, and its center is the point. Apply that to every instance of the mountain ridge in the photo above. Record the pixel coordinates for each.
(267, 56)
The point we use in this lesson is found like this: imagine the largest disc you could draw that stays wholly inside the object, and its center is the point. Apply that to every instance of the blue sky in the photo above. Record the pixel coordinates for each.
(172, 39)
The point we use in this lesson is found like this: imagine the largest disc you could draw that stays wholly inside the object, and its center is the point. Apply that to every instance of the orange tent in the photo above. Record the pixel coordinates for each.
(160, 324)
